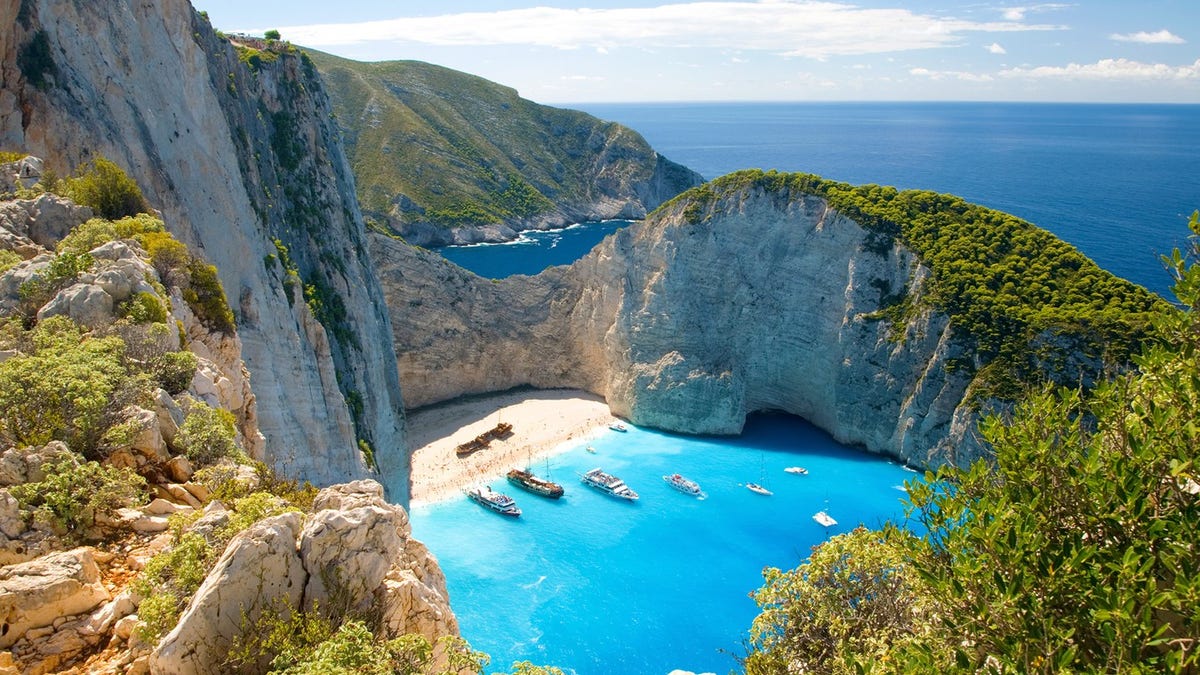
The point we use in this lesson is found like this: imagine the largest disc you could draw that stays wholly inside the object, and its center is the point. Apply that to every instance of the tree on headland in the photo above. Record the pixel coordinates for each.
(1073, 550)
(272, 35)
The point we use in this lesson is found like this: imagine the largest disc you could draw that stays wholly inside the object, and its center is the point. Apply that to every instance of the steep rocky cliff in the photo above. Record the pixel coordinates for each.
(757, 293)
(446, 157)
(237, 148)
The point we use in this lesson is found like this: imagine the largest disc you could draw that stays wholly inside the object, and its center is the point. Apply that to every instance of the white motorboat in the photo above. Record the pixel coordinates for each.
(609, 484)
(496, 501)
(798, 470)
(617, 426)
(824, 519)
(684, 485)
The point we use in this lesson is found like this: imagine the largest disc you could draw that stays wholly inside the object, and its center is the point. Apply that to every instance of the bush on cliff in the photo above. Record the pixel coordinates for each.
(1074, 552)
(75, 491)
(107, 189)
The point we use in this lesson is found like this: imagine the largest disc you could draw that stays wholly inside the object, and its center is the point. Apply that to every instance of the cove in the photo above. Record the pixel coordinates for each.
(598, 585)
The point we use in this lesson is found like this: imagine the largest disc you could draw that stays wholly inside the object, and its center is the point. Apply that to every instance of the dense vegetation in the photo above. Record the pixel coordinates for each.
(1024, 297)
(434, 145)
(1074, 552)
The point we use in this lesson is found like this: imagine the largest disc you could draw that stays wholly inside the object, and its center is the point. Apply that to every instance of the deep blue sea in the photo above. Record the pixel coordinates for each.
(1116, 181)
(598, 586)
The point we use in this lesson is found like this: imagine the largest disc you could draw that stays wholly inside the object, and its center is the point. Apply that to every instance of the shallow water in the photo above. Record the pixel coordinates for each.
(597, 585)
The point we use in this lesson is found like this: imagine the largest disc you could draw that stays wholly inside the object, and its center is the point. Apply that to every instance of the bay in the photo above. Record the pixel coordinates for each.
(598, 585)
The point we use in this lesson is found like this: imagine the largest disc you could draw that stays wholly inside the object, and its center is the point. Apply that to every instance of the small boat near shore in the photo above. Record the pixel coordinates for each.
(824, 519)
(684, 485)
(531, 483)
(798, 470)
(494, 501)
(609, 484)
(617, 426)
(758, 489)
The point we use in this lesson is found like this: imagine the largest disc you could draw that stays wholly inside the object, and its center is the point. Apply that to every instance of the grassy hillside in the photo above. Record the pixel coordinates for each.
(430, 144)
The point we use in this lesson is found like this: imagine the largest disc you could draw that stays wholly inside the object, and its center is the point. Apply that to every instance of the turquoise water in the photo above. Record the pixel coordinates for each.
(598, 585)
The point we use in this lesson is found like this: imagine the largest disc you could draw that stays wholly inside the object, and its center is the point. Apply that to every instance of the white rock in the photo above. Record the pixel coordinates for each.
(85, 304)
(258, 568)
(12, 523)
(35, 593)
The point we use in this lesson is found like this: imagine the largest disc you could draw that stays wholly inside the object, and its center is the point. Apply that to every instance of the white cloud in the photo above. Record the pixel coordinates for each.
(1162, 37)
(995, 48)
(1109, 69)
(1018, 13)
(950, 75)
(807, 28)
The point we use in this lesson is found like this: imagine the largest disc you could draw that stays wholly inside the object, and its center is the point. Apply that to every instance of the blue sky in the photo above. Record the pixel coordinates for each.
(557, 51)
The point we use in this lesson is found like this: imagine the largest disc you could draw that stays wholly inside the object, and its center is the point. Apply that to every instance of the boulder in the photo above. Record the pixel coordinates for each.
(149, 441)
(347, 554)
(260, 571)
(12, 523)
(170, 415)
(36, 593)
(85, 304)
(52, 217)
(179, 469)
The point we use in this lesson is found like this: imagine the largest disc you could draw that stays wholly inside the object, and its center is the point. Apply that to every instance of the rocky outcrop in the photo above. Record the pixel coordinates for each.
(355, 553)
(35, 594)
(690, 324)
(244, 163)
(444, 157)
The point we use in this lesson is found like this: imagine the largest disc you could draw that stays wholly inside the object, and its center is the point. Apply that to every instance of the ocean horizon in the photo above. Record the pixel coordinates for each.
(1118, 181)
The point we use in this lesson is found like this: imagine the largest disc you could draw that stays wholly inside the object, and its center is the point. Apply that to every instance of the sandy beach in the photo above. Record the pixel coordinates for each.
(544, 422)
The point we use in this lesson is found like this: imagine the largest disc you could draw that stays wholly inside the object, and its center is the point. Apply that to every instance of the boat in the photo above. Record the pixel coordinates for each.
(684, 485)
(591, 449)
(755, 487)
(824, 519)
(609, 484)
(798, 470)
(502, 430)
(496, 501)
(617, 426)
(538, 486)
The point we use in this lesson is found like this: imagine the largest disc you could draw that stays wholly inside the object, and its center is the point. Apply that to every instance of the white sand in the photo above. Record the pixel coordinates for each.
(544, 422)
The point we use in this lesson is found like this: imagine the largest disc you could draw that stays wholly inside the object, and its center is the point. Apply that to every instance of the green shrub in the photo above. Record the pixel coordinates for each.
(168, 256)
(308, 643)
(8, 260)
(75, 491)
(173, 371)
(169, 580)
(206, 297)
(61, 389)
(8, 156)
(207, 435)
(107, 189)
(87, 236)
(143, 307)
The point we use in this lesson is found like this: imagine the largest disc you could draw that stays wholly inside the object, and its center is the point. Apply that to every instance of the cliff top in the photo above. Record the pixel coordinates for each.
(1009, 284)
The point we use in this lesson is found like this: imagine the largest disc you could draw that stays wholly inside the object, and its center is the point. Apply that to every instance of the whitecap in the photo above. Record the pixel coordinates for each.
(534, 584)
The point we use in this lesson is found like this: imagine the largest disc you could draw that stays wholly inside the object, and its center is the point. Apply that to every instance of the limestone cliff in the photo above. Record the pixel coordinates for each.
(243, 159)
(752, 294)
(445, 157)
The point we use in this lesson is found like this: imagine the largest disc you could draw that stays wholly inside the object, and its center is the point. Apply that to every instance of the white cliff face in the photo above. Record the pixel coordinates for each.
(234, 158)
(766, 303)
